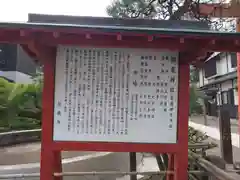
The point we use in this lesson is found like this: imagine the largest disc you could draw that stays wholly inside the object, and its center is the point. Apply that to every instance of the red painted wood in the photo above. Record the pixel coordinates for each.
(50, 160)
(28, 51)
(126, 42)
(181, 157)
(170, 166)
(238, 75)
(57, 164)
(172, 42)
(106, 39)
(115, 147)
(238, 86)
(105, 32)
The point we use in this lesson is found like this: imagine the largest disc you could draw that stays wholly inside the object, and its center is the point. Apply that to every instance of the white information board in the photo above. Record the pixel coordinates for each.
(116, 95)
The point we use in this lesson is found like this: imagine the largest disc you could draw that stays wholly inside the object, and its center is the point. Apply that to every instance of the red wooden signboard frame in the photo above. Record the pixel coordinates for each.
(51, 150)
(41, 42)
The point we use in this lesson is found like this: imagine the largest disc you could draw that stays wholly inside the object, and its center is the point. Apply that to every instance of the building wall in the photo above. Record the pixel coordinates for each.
(8, 57)
(25, 64)
(225, 86)
(15, 76)
(15, 64)
(224, 80)
(229, 63)
(223, 65)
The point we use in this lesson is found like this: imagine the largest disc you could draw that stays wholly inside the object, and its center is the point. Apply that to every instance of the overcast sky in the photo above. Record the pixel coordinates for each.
(17, 10)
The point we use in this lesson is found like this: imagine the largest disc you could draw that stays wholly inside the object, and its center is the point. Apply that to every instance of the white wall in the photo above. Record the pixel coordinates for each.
(202, 80)
(200, 73)
(224, 66)
(235, 97)
(230, 69)
(16, 76)
(226, 85)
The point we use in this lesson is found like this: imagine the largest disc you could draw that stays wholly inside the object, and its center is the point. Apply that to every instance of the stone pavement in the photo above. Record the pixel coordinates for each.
(25, 159)
(29, 153)
(212, 130)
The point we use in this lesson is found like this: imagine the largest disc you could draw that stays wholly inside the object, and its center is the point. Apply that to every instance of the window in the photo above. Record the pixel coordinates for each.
(228, 97)
(233, 59)
(231, 96)
(224, 98)
(210, 68)
(218, 98)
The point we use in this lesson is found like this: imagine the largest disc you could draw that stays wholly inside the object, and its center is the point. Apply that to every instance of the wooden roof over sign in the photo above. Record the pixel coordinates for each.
(192, 42)
(107, 21)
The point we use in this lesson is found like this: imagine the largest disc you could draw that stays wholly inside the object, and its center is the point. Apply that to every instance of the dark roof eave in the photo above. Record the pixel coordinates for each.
(118, 29)
(109, 21)
(221, 79)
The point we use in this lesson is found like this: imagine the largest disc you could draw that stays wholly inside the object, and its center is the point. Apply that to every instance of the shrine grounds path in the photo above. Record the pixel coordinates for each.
(25, 159)
(212, 130)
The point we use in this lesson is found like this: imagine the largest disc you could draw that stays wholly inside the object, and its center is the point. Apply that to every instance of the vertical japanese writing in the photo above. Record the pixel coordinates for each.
(70, 89)
(110, 97)
(118, 73)
(75, 112)
(94, 91)
(98, 125)
(66, 88)
(91, 89)
(114, 93)
(85, 105)
(101, 92)
(109, 92)
(79, 118)
(105, 90)
(126, 94)
(123, 120)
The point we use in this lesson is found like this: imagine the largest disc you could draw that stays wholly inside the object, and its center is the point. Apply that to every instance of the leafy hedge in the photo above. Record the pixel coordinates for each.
(20, 105)
(194, 106)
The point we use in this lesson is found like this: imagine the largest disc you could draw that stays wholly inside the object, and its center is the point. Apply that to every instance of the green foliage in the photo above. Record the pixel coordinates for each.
(168, 10)
(194, 75)
(130, 8)
(20, 105)
(194, 105)
(157, 9)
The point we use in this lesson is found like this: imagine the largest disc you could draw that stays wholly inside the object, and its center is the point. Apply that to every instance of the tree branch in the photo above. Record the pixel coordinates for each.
(170, 7)
(181, 10)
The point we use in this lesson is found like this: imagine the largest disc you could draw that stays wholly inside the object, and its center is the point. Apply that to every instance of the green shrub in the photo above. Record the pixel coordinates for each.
(20, 105)
(194, 105)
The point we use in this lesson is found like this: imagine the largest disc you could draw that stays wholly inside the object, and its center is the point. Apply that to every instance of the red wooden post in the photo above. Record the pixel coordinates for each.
(50, 159)
(181, 157)
(238, 79)
(170, 166)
